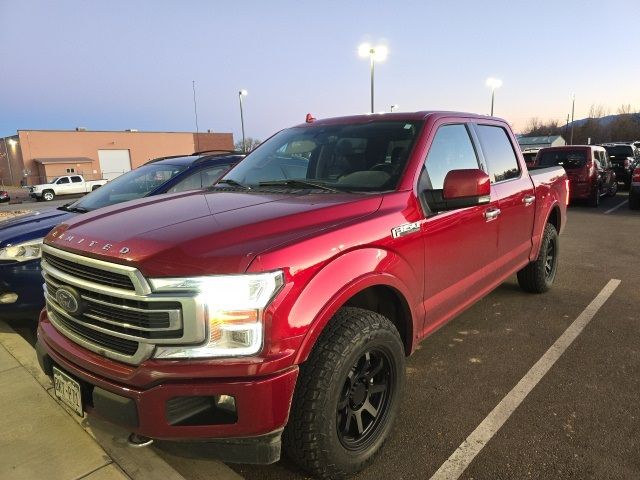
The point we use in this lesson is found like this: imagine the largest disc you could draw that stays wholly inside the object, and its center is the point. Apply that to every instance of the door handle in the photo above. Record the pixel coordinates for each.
(528, 199)
(491, 214)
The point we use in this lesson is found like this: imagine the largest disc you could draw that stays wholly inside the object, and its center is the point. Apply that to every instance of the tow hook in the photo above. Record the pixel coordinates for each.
(138, 441)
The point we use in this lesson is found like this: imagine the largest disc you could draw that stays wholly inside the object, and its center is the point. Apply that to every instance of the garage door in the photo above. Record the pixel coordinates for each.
(114, 163)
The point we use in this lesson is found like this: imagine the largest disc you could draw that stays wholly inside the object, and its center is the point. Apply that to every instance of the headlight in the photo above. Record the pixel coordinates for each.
(22, 252)
(233, 311)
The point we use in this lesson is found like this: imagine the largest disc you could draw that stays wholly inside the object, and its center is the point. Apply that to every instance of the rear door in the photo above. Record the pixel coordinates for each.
(515, 192)
(460, 245)
(77, 185)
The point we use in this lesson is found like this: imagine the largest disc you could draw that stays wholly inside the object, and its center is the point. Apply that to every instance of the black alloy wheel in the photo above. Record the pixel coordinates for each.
(364, 400)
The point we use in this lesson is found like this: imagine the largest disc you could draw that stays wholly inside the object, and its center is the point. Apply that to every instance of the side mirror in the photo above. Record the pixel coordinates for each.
(462, 188)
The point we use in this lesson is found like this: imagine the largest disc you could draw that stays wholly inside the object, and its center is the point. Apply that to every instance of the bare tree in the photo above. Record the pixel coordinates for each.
(251, 144)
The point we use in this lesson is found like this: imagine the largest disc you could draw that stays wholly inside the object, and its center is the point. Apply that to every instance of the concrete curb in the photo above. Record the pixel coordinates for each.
(137, 464)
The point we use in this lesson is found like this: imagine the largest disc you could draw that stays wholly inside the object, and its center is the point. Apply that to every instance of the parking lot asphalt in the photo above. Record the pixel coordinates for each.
(33, 205)
(580, 421)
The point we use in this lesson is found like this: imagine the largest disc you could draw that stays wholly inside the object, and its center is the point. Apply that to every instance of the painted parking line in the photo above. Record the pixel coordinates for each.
(616, 207)
(469, 449)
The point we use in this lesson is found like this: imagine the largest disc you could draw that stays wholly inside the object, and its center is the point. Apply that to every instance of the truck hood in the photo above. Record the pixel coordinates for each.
(205, 233)
(31, 226)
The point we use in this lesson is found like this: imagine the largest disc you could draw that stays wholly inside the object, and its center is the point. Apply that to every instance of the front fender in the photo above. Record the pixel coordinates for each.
(344, 277)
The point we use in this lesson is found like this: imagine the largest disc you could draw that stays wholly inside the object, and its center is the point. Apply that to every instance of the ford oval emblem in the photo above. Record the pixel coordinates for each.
(68, 300)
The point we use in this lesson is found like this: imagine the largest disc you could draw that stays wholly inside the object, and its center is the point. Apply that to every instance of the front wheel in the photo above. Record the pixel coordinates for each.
(538, 276)
(613, 189)
(347, 395)
(48, 195)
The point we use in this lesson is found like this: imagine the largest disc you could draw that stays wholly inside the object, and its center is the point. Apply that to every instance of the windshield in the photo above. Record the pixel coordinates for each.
(130, 186)
(355, 157)
(620, 151)
(569, 159)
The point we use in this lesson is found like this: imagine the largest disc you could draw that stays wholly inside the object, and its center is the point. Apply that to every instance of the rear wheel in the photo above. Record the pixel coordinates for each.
(634, 201)
(613, 189)
(538, 276)
(48, 195)
(347, 395)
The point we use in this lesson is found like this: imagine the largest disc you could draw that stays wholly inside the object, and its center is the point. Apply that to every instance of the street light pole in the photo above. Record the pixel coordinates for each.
(371, 53)
(573, 110)
(379, 54)
(241, 94)
(493, 83)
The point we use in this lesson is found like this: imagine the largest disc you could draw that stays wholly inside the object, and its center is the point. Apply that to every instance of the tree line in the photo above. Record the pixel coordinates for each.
(599, 127)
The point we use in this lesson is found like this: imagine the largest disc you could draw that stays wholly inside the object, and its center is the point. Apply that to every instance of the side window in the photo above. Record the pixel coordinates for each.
(498, 153)
(597, 159)
(451, 150)
(63, 180)
(76, 179)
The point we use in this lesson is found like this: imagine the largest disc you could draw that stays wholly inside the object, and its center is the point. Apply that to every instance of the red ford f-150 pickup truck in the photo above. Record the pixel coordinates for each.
(277, 308)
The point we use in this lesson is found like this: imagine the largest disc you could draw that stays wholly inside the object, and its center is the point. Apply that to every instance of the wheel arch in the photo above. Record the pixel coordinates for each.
(369, 288)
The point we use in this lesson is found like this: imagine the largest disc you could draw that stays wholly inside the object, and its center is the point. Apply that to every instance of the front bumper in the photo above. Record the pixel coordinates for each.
(261, 402)
(23, 279)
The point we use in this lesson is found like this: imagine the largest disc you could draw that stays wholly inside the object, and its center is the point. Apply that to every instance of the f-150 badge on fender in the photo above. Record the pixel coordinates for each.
(405, 229)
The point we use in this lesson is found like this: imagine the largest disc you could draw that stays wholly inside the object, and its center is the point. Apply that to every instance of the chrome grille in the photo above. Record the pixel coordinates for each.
(86, 272)
(123, 324)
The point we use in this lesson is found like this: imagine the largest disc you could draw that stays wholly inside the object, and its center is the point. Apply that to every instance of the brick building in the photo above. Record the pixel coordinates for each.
(36, 156)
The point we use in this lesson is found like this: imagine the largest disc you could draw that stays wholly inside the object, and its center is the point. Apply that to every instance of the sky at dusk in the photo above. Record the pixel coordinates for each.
(113, 65)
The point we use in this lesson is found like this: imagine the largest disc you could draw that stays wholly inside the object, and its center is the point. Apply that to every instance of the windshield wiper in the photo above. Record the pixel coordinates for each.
(299, 184)
(233, 183)
(68, 208)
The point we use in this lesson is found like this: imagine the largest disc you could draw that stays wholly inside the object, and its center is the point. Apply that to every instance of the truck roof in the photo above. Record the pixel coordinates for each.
(398, 116)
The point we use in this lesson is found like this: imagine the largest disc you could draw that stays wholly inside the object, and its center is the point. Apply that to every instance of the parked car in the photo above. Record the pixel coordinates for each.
(588, 167)
(21, 237)
(4, 196)
(624, 158)
(288, 295)
(634, 191)
(64, 185)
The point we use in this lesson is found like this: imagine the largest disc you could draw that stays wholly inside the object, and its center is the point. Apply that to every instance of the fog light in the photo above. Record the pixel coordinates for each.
(8, 298)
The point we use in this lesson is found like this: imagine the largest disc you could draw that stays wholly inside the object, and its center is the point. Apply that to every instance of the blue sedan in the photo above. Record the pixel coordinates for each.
(21, 294)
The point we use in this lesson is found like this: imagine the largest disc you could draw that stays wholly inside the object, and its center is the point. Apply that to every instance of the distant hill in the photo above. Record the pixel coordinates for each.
(610, 128)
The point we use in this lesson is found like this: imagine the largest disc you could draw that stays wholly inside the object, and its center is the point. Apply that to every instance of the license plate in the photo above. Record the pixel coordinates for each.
(68, 390)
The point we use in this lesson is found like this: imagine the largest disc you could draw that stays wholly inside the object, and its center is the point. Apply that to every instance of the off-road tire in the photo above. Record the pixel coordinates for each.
(535, 277)
(311, 438)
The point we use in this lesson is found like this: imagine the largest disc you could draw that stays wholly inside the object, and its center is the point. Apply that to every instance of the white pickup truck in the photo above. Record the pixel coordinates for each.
(65, 185)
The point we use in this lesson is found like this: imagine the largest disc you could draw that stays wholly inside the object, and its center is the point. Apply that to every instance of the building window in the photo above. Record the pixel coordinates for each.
(71, 170)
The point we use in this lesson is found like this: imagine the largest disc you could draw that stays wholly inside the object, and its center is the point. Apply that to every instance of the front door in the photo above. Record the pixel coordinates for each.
(460, 245)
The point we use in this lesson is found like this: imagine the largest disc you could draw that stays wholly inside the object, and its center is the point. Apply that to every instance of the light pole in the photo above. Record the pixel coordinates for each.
(573, 110)
(242, 93)
(393, 107)
(375, 54)
(493, 84)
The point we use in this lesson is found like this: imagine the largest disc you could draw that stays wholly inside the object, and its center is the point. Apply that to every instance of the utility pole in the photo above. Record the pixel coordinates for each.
(195, 111)
(573, 109)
